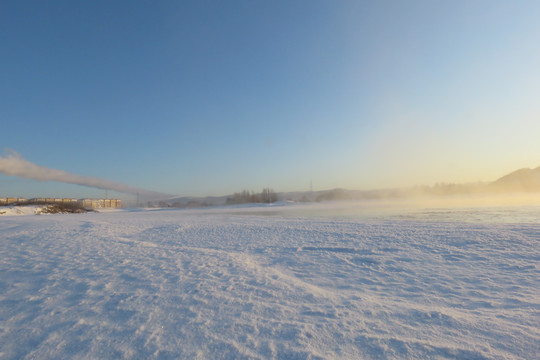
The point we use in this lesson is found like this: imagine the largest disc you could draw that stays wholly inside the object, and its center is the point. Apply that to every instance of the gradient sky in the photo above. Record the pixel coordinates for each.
(212, 97)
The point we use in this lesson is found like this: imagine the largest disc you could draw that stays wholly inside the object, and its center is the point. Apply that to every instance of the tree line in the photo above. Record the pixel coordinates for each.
(267, 195)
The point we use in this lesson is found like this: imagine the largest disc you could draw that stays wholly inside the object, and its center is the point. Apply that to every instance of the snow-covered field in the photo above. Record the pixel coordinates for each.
(259, 284)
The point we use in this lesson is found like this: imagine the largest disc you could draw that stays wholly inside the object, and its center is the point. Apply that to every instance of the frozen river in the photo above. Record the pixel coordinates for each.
(290, 282)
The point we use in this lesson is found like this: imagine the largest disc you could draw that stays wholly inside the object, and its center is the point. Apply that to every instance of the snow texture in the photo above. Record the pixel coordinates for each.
(224, 284)
(20, 210)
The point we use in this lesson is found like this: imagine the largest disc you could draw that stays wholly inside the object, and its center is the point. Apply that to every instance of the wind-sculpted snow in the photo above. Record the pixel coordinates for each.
(220, 285)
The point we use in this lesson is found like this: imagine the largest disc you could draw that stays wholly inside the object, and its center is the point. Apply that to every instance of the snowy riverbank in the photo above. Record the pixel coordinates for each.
(231, 285)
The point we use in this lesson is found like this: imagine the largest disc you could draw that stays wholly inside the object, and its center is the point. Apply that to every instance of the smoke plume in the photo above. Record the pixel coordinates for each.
(14, 165)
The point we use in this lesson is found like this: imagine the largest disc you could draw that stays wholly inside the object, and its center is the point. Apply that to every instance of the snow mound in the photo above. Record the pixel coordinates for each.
(20, 210)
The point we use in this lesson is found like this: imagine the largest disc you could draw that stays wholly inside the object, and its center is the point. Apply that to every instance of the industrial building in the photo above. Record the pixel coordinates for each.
(12, 200)
(86, 203)
(100, 203)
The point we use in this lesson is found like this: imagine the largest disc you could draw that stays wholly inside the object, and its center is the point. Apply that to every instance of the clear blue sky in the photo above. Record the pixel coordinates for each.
(212, 97)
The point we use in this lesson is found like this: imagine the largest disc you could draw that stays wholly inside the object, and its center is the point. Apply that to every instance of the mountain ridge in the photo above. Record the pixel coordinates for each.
(525, 179)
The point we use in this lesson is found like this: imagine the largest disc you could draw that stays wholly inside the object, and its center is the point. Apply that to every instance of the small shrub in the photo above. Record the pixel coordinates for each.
(64, 208)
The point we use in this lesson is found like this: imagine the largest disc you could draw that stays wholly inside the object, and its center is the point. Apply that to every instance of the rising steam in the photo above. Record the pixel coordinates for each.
(14, 165)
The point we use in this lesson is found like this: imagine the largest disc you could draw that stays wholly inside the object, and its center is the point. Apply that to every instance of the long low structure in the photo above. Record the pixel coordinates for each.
(101, 203)
(12, 200)
(86, 203)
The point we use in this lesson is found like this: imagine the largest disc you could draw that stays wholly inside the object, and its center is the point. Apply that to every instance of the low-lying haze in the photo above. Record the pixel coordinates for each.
(519, 187)
(14, 165)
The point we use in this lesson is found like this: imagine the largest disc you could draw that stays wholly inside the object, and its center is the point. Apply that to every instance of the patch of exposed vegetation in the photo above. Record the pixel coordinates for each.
(64, 208)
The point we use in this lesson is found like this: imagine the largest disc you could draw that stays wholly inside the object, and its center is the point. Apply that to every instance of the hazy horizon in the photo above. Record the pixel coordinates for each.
(517, 191)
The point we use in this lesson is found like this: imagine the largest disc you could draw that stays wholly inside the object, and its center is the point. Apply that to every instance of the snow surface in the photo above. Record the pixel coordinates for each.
(20, 210)
(230, 284)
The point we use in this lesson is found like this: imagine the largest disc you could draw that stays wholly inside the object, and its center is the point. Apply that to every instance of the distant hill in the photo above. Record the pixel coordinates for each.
(522, 180)
(519, 180)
